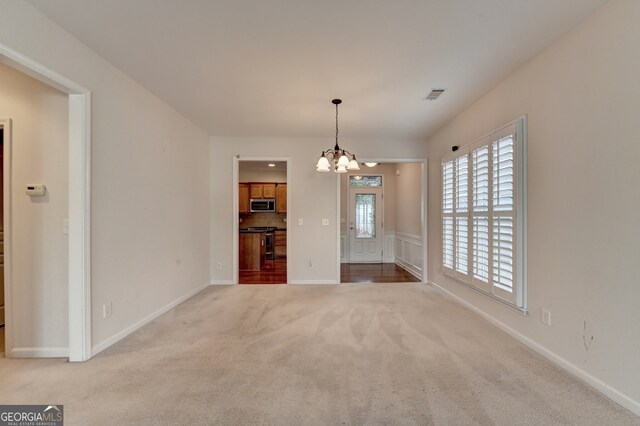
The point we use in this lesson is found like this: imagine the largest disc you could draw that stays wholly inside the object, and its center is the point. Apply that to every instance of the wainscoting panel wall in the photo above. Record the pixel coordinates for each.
(408, 253)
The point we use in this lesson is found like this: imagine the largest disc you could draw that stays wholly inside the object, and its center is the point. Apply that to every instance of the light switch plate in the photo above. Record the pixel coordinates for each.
(106, 310)
(325, 221)
(299, 222)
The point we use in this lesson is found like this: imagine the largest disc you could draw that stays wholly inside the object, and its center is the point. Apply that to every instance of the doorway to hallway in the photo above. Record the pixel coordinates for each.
(383, 222)
(366, 212)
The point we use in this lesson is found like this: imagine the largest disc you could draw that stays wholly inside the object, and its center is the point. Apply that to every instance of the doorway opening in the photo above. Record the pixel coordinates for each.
(383, 222)
(2, 301)
(262, 209)
(77, 228)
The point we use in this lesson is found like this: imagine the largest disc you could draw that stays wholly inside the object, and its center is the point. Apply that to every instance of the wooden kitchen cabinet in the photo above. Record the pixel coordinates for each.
(281, 198)
(268, 190)
(243, 198)
(280, 243)
(252, 251)
(256, 191)
(262, 190)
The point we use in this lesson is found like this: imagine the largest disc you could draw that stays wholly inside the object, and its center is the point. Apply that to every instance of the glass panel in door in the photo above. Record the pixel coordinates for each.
(365, 225)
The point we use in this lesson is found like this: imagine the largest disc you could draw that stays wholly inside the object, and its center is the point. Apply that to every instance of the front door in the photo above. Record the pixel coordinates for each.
(365, 223)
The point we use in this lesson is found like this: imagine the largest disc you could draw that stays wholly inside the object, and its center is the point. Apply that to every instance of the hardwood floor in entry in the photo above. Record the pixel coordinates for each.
(274, 272)
(374, 273)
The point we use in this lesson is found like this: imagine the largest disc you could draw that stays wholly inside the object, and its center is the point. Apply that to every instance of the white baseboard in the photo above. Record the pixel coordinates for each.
(599, 385)
(144, 321)
(39, 353)
(413, 271)
(221, 282)
(313, 282)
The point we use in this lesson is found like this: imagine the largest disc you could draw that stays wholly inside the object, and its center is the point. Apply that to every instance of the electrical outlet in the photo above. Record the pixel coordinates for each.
(106, 310)
(310, 265)
(325, 222)
(546, 317)
(219, 266)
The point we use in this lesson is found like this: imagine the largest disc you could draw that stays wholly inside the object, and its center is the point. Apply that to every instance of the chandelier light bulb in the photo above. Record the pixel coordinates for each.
(343, 161)
(353, 164)
(323, 164)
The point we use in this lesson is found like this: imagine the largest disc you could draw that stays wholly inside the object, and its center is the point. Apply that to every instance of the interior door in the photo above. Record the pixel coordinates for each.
(365, 224)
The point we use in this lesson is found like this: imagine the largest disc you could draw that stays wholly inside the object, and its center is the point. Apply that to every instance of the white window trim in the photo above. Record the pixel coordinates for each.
(519, 300)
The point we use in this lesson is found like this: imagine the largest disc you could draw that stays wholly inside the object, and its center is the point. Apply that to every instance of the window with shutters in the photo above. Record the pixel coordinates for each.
(483, 214)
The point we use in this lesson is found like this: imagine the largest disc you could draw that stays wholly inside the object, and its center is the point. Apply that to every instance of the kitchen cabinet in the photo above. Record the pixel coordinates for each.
(268, 190)
(256, 190)
(280, 243)
(281, 198)
(243, 198)
(252, 251)
(262, 190)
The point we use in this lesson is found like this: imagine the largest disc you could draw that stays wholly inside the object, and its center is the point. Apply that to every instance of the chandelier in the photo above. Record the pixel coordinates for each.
(340, 157)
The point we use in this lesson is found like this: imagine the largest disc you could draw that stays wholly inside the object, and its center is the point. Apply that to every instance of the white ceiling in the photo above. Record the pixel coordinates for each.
(271, 68)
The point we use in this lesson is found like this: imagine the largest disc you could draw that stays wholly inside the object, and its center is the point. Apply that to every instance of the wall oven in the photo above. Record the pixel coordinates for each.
(262, 206)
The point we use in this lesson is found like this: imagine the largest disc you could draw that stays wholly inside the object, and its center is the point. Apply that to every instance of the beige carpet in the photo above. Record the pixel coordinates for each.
(338, 355)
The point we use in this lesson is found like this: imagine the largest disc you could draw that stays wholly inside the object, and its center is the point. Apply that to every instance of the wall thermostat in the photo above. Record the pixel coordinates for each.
(37, 190)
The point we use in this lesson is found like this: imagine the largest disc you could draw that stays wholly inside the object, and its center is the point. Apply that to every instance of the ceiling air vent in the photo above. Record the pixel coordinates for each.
(435, 93)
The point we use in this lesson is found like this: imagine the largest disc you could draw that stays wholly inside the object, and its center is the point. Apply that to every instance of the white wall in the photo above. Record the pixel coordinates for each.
(313, 197)
(582, 98)
(39, 116)
(409, 198)
(150, 181)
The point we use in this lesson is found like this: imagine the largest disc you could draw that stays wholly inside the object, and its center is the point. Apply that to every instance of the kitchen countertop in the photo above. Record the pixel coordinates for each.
(257, 230)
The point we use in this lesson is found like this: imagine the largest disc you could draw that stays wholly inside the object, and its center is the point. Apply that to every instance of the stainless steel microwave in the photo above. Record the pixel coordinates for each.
(262, 206)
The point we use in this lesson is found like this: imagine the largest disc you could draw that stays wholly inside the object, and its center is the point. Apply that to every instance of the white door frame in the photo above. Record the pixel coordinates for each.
(423, 206)
(79, 205)
(379, 207)
(236, 211)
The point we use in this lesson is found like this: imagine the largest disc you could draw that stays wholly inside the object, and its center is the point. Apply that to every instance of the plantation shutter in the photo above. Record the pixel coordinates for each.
(503, 203)
(447, 216)
(482, 229)
(462, 217)
(481, 214)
